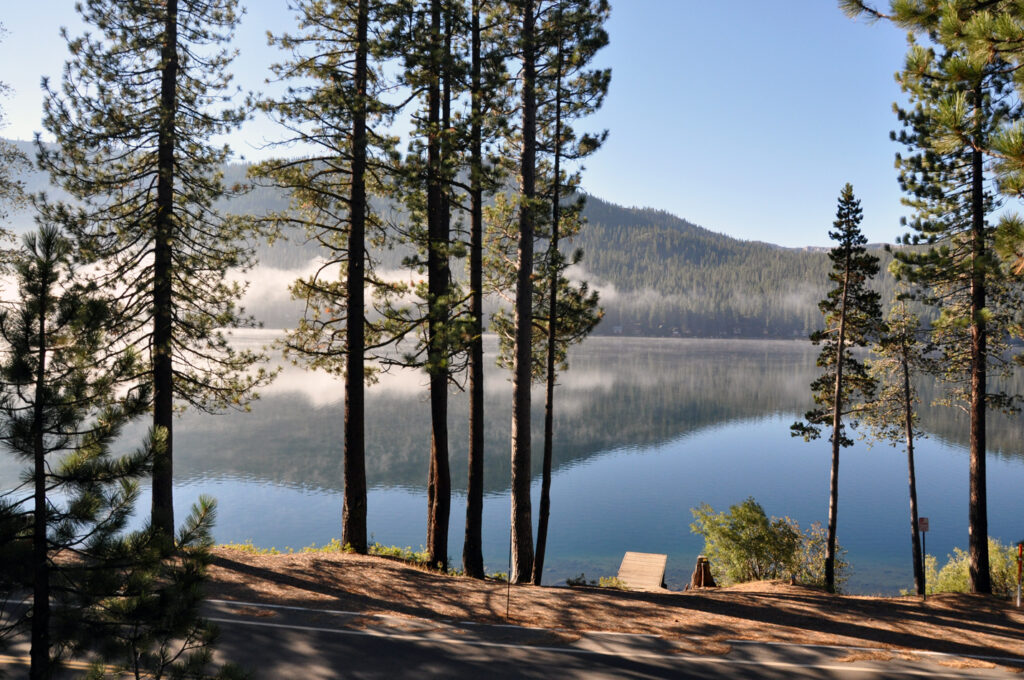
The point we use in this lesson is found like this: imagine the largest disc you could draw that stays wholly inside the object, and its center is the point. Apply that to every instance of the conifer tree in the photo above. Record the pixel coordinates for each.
(959, 102)
(900, 356)
(852, 319)
(430, 44)
(522, 348)
(965, 136)
(487, 80)
(572, 33)
(335, 106)
(140, 100)
(62, 537)
(55, 379)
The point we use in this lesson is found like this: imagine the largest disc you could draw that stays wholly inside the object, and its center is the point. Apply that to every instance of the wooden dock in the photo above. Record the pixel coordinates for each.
(643, 571)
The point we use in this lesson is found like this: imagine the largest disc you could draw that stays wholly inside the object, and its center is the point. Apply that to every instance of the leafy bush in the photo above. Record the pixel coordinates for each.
(810, 564)
(613, 582)
(954, 577)
(745, 545)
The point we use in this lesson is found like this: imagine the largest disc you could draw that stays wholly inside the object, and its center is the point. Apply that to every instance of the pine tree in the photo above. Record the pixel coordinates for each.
(522, 352)
(959, 101)
(62, 534)
(487, 80)
(428, 42)
(964, 125)
(900, 356)
(140, 101)
(335, 106)
(852, 319)
(55, 381)
(573, 35)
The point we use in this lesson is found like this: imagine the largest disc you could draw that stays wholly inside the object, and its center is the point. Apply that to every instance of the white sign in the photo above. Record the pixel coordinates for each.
(922, 523)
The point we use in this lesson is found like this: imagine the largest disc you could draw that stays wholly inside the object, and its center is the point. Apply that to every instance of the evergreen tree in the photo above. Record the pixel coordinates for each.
(487, 80)
(964, 124)
(522, 352)
(54, 381)
(573, 34)
(140, 101)
(900, 355)
(335, 106)
(959, 102)
(429, 43)
(61, 533)
(852, 319)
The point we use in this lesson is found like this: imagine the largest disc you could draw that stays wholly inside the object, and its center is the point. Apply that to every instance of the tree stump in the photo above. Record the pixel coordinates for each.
(702, 574)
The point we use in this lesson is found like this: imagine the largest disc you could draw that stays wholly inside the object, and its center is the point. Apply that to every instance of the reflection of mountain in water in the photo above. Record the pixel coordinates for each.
(619, 392)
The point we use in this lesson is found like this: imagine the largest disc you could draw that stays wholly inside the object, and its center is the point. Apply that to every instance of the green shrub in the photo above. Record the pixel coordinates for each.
(613, 582)
(810, 563)
(954, 577)
(745, 545)
(407, 554)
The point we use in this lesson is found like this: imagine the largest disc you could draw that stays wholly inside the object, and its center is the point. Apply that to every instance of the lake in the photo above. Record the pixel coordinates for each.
(645, 429)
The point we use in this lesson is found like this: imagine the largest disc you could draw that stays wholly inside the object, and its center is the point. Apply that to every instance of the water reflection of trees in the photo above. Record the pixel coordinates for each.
(620, 392)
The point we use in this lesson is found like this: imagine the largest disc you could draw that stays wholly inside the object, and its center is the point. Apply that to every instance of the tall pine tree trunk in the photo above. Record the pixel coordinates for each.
(40, 644)
(163, 370)
(909, 429)
(438, 281)
(472, 550)
(353, 518)
(522, 523)
(549, 383)
(837, 424)
(977, 527)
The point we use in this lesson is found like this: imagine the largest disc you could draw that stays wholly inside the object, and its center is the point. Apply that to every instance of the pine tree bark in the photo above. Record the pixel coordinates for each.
(977, 526)
(438, 282)
(522, 523)
(353, 518)
(472, 551)
(837, 410)
(163, 369)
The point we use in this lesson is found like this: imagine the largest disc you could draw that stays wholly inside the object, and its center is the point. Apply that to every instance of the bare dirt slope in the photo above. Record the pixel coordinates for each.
(957, 624)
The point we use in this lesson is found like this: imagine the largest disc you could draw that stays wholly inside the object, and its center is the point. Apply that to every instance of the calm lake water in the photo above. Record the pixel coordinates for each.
(645, 430)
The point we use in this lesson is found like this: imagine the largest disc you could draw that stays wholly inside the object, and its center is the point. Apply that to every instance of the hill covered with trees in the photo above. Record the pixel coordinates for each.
(658, 274)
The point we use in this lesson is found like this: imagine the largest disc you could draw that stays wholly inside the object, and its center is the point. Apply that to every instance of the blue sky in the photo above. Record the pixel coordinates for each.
(742, 116)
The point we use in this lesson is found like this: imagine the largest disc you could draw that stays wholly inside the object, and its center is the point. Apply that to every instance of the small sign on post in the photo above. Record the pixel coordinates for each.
(922, 526)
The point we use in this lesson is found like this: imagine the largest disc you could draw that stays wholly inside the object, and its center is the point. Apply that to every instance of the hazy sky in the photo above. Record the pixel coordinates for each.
(742, 116)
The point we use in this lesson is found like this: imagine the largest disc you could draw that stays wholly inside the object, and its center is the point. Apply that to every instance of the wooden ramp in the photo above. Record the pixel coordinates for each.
(643, 571)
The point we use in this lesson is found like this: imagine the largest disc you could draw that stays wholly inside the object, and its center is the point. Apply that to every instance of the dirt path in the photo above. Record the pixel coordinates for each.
(957, 624)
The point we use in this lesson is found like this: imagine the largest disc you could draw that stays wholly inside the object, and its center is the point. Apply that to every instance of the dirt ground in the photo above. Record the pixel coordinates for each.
(766, 611)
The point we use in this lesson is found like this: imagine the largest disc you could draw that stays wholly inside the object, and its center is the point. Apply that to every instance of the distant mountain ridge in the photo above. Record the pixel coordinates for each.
(658, 274)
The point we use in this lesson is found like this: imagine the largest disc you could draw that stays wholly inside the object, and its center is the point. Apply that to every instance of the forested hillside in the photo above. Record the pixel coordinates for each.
(658, 274)
(661, 275)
